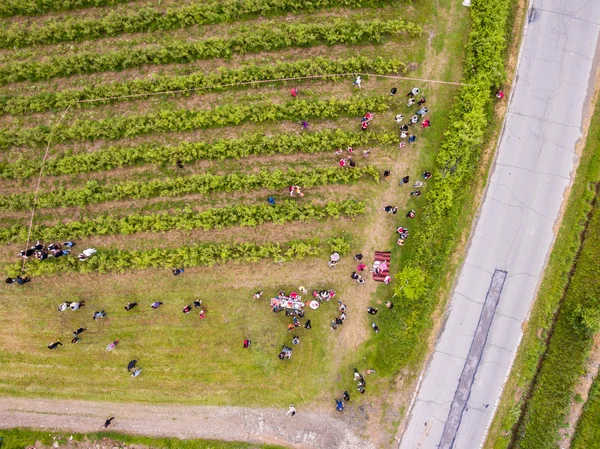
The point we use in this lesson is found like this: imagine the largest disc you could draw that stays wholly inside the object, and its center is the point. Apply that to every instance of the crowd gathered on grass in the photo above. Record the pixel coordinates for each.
(291, 303)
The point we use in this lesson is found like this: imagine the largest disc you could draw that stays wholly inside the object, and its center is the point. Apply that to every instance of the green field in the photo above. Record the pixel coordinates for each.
(111, 182)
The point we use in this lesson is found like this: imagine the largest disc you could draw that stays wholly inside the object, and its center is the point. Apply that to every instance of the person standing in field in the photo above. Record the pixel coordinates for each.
(291, 410)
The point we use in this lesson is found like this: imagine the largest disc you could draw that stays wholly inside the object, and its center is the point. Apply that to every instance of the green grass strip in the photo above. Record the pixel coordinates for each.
(204, 254)
(187, 219)
(189, 152)
(187, 120)
(587, 432)
(21, 438)
(206, 183)
(26, 104)
(77, 28)
(9, 8)
(268, 37)
(437, 228)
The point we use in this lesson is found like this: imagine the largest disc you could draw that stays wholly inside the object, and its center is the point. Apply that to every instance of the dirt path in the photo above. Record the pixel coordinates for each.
(305, 430)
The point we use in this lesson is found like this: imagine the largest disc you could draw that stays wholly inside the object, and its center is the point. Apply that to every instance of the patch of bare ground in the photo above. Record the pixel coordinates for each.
(206, 65)
(580, 396)
(190, 34)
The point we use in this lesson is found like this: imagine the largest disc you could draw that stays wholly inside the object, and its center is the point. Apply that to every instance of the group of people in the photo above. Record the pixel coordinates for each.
(403, 231)
(339, 320)
(97, 315)
(42, 252)
(366, 121)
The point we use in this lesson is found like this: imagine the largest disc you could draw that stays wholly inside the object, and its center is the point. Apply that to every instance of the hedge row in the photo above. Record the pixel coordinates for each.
(25, 104)
(9, 8)
(205, 254)
(266, 37)
(78, 28)
(186, 120)
(457, 161)
(189, 152)
(186, 220)
(93, 192)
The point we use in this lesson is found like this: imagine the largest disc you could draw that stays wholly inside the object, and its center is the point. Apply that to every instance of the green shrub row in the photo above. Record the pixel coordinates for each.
(25, 104)
(577, 321)
(93, 192)
(187, 120)
(9, 8)
(77, 28)
(188, 152)
(438, 229)
(186, 220)
(267, 37)
(204, 254)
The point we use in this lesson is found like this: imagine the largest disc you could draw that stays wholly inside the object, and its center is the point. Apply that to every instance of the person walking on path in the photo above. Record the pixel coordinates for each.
(357, 82)
(291, 411)
(108, 422)
(294, 92)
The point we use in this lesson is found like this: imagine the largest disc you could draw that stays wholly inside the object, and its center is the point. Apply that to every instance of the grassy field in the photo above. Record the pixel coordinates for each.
(564, 354)
(111, 145)
(21, 438)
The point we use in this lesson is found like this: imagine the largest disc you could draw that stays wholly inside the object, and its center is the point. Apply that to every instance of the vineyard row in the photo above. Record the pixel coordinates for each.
(206, 183)
(206, 254)
(188, 120)
(188, 152)
(9, 8)
(266, 37)
(120, 90)
(186, 220)
(78, 28)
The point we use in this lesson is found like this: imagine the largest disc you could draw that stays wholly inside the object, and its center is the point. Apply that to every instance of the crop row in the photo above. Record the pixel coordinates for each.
(9, 8)
(77, 28)
(189, 152)
(205, 254)
(186, 220)
(24, 104)
(187, 120)
(93, 192)
(260, 38)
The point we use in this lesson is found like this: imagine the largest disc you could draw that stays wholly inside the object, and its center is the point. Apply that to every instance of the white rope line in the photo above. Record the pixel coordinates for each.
(245, 83)
(148, 94)
(39, 180)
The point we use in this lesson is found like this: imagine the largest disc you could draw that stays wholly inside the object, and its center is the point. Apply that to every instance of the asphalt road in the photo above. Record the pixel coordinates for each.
(514, 233)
